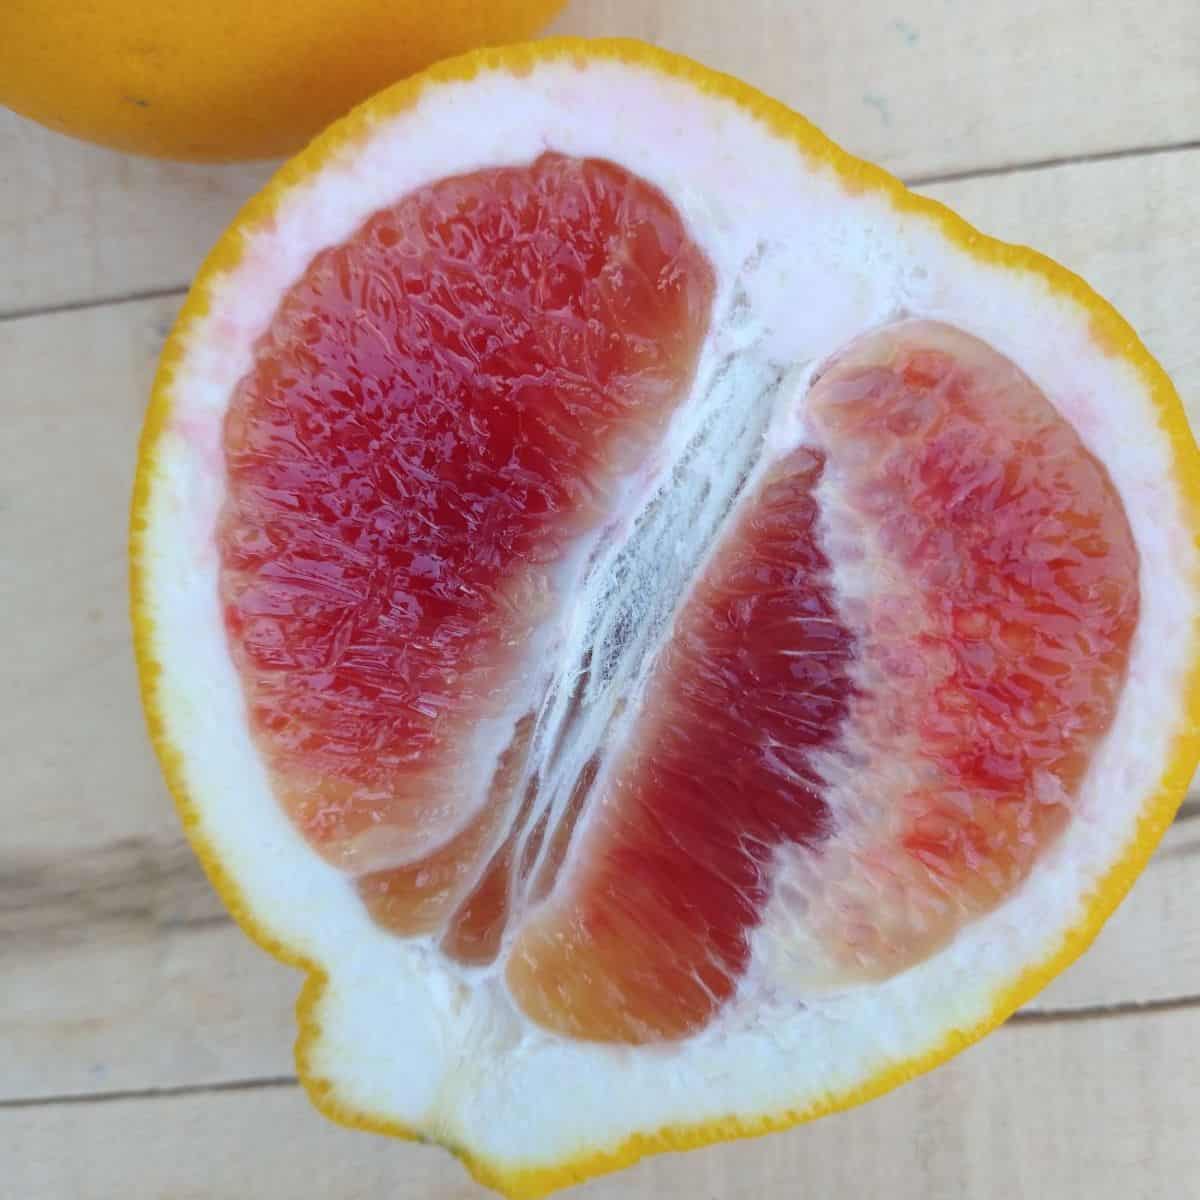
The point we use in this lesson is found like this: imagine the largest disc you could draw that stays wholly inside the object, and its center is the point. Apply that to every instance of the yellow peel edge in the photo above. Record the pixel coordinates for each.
(1112, 334)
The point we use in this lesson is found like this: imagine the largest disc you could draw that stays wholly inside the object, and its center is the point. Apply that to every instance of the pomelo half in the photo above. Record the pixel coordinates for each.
(674, 633)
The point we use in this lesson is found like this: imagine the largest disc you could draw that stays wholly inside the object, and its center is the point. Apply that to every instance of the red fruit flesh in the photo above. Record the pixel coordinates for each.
(1001, 669)
(990, 684)
(648, 937)
(895, 666)
(438, 408)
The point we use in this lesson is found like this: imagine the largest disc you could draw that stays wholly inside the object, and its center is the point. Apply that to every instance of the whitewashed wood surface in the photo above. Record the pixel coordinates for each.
(145, 1046)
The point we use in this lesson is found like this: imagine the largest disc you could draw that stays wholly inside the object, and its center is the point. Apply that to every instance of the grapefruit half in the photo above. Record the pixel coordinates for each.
(674, 633)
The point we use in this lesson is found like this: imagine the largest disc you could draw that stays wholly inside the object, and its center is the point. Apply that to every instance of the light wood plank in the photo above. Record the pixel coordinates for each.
(925, 88)
(1149, 951)
(79, 774)
(131, 977)
(80, 223)
(141, 1003)
(1046, 1112)
(1127, 226)
(932, 86)
(120, 971)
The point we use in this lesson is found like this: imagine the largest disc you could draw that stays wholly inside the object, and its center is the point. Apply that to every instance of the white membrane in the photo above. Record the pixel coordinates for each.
(814, 266)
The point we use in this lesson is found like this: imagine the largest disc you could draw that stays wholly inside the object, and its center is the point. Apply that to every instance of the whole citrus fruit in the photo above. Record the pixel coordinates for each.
(228, 79)
(672, 631)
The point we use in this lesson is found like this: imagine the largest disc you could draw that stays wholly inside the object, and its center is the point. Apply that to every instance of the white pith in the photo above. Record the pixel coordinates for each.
(406, 1039)
(617, 590)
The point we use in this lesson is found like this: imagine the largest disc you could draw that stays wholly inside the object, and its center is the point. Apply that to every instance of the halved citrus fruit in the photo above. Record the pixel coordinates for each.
(673, 632)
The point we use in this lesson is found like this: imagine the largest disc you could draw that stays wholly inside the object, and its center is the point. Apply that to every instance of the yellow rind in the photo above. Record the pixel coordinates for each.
(173, 80)
(1112, 335)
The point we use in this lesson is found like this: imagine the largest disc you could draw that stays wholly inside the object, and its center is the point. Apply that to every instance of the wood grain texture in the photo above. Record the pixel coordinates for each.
(145, 1044)
(122, 980)
(1042, 1112)
(79, 223)
(78, 776)
(121, 970)
(928, 87)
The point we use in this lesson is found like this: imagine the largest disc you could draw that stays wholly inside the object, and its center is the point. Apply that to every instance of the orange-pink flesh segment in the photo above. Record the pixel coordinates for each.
(996, 667)
(420, 897)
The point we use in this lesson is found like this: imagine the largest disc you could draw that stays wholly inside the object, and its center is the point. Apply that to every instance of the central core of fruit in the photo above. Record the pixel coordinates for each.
(580, 679)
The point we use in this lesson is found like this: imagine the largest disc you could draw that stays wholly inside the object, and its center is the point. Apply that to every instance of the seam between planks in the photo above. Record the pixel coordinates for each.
(1102, 1012)
(288, 1082)
(913, 181)
(263, 1084)
(1049, 164)
(70, 306)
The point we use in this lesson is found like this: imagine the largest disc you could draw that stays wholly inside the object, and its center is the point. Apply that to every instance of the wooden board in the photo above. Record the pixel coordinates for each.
(80, 224)
(935, 87)
(145, 1045)
(927, 88)
(1042, 1112)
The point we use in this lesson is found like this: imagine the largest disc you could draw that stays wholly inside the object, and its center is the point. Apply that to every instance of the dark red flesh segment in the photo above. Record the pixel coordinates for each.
(436, 410)
(649, 934)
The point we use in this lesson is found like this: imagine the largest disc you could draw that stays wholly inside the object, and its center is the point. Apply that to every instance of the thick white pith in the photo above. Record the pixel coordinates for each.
(402, 1037)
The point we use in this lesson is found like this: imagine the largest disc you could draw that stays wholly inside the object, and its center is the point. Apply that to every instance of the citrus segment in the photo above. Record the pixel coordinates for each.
(445, 404)
(993, 664)
(440, 405)
(420, 896)
(474, 933)
(981, 678)
(648, 937)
